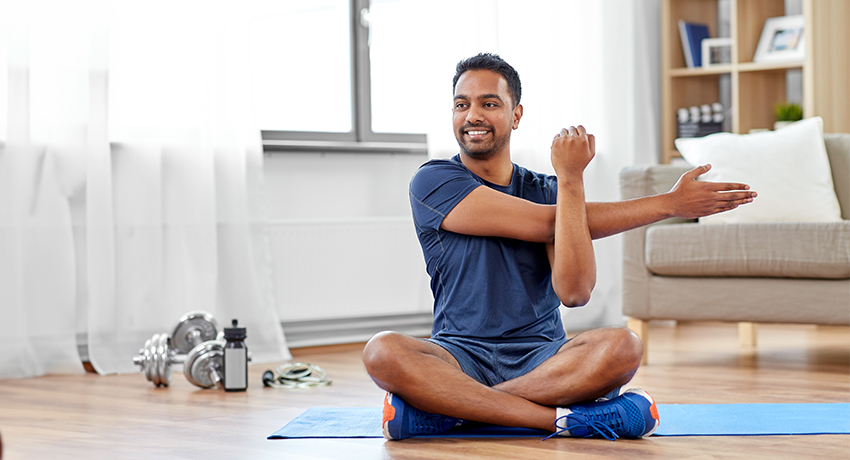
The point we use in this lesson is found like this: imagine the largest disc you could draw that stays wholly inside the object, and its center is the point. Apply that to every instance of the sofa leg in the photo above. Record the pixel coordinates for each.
(640, 327)
(747, 335)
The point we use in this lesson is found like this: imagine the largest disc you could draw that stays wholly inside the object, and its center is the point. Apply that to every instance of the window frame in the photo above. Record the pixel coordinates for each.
(361, 138)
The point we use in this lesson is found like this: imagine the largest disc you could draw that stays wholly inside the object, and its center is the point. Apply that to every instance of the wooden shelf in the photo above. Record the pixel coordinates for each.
(757, 87)
(713, 70)
(759, 66)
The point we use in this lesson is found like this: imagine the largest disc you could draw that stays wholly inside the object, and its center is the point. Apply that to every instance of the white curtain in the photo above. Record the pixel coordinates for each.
(593, 63)
(130, 181)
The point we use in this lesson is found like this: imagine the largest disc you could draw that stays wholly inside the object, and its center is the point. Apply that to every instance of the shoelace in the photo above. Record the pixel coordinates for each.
(608, 415)
(425, 422)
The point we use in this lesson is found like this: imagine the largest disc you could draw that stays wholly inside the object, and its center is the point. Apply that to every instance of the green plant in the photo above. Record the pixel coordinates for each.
(788, 112)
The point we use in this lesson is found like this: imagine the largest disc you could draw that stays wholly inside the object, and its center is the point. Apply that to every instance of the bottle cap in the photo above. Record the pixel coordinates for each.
(235, 333)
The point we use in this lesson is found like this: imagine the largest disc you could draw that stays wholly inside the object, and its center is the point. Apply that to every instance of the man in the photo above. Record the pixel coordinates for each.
(505, 247)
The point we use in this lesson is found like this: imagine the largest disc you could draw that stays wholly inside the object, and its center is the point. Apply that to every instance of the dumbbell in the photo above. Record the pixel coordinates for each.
(162, 350)
(156, 358)
(193, 329)
(202, 366)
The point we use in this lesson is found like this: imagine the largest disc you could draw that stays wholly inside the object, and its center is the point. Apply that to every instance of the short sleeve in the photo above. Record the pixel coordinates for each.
(551, 188)
(436, 188)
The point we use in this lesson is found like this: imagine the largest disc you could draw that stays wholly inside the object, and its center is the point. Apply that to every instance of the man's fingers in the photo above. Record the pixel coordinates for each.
(696, 172)
(736, 196)
(581, 131)
(730, 186)
(725, 186)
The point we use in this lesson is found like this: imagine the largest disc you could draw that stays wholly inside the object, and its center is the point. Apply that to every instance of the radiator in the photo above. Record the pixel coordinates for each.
(342, 280)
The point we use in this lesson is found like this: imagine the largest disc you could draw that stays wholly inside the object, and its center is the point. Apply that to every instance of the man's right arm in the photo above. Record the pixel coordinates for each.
(488, 212)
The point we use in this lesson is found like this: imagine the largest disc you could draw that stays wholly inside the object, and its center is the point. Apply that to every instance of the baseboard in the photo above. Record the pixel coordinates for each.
(329, 331)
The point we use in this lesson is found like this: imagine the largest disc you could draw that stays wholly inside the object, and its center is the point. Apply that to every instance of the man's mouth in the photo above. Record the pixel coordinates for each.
(476, 133)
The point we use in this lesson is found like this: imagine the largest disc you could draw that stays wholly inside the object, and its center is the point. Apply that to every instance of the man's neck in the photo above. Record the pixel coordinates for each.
(497, 169)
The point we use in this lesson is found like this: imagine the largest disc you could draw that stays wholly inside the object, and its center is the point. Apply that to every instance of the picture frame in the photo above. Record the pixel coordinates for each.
(782, 39)
(716, 51)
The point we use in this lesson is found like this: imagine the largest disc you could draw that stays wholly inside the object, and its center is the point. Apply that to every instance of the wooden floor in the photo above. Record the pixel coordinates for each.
(125, 417)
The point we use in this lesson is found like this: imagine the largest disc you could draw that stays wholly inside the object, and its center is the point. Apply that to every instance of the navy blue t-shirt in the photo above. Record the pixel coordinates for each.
(484, 287)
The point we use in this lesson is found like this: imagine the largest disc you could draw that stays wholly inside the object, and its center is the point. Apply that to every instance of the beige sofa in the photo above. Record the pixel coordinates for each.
(744, 273)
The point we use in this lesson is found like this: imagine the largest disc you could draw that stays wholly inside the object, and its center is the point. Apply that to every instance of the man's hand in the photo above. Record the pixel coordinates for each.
(572, 150)
(691, 199)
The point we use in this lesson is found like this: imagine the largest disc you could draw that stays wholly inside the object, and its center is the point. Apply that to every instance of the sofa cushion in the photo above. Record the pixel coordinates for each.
(788, 168)
(780, 249)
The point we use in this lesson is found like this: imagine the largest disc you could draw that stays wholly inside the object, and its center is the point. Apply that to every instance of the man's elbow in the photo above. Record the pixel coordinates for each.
(573, 295)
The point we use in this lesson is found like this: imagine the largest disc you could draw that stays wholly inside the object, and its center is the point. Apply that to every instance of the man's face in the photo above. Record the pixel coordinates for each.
(483, 114)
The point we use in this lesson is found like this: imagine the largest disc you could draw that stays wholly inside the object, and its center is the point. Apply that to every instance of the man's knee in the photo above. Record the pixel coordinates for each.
(382, 350)
(617, 347)
(631, 346)
(627, 347)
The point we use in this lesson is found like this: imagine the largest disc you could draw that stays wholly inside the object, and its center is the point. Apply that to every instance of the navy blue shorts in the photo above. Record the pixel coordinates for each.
(492, 363)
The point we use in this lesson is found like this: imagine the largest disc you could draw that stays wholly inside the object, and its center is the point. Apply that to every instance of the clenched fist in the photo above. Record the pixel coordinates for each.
(572, 150)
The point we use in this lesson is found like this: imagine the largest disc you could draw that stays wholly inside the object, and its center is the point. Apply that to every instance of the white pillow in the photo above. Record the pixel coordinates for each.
(788, 168)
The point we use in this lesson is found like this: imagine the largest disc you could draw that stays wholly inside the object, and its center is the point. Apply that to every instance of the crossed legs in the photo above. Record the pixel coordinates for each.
(429, 378)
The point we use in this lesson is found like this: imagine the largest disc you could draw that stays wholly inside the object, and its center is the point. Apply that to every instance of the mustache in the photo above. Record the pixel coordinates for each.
(468, 126)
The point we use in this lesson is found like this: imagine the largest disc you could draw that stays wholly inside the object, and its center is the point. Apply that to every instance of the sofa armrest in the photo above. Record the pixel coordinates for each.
(635, 182)
(838, 150)
(638, 181)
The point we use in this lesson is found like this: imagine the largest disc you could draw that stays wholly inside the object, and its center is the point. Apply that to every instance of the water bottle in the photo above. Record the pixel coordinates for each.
(235, 358)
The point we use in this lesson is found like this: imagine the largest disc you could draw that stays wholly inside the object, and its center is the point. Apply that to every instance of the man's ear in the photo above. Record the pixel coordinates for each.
(517, 116)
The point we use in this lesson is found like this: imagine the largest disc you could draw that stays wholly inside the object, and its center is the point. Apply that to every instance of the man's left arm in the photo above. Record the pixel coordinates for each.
(688, 199)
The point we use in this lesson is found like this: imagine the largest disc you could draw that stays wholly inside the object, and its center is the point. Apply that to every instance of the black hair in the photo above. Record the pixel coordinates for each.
(489, 61)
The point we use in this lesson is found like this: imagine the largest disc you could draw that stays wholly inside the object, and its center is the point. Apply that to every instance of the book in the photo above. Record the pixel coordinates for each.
(692, 35)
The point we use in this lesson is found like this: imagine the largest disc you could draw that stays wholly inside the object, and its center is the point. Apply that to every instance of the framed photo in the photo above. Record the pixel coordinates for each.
(782, 39)
(716, 51)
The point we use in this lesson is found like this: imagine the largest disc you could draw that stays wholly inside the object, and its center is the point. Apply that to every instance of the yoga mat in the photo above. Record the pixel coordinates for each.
(676, 420)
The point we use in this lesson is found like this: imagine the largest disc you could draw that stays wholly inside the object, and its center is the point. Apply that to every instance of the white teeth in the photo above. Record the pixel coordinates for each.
(476, 133)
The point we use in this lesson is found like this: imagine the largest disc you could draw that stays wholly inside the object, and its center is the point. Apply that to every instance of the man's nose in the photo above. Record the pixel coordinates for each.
(474, 114)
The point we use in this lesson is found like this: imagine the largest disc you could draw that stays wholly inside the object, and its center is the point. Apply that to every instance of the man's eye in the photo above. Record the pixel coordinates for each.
(491, 104)
(460, 105)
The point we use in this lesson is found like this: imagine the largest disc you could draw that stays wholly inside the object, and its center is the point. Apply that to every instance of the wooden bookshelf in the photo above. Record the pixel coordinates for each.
(757, 87)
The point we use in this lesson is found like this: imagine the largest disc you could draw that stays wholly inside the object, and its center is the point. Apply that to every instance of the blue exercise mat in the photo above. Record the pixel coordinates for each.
(676, 420)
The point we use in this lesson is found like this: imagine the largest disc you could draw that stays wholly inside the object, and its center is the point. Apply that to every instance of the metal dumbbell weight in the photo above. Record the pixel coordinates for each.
(156, 358)
(162, 350)
(204, 365)
(193, 329)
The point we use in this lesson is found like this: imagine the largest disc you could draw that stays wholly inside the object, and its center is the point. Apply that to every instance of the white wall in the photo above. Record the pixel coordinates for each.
(343, 240)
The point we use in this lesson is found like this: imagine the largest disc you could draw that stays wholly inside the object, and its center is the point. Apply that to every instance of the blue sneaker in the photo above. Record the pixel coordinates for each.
(630, 415)
(402, 420)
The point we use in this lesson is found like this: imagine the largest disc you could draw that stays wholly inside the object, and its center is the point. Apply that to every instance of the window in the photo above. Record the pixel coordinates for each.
(302, 61)
(312, 79)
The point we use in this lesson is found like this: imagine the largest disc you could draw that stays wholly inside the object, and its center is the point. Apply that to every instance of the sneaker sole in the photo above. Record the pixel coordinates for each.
(388, 415)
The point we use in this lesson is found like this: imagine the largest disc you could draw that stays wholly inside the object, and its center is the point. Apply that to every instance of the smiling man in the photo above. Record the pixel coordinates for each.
(505, 247)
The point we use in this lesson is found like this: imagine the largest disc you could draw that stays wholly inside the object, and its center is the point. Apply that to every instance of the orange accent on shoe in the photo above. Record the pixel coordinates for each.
(653, 409)
(389, 410)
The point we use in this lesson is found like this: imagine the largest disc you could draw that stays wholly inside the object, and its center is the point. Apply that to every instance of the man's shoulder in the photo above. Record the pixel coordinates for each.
(438, 171)
(440, 164)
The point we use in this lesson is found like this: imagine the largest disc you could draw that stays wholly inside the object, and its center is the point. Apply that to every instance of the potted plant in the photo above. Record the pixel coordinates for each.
(786, 114)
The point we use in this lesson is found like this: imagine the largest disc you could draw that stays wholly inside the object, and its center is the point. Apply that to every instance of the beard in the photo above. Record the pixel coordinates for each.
(483, 149)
